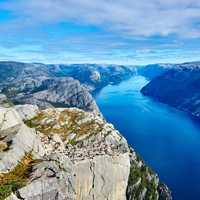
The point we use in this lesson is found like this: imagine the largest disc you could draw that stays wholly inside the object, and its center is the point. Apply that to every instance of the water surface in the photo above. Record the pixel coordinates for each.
(167, 139)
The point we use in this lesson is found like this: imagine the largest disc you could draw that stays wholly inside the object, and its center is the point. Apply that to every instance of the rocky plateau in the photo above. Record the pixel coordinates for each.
(69, 154)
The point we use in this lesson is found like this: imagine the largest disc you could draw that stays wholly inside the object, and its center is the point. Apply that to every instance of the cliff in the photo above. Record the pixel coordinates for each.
(34, 84)
(52, 86)
(153, 70)
(66, 153)
(59, 92)
(94, 76)
(178, 87)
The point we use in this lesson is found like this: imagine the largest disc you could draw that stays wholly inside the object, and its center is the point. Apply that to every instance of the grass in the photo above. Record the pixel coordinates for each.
(18, 177)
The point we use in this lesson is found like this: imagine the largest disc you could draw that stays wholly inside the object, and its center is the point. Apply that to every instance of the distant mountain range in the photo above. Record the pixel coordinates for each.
(153, 70)
(178, 86)
(50, 85)
(73, 85)
(94, 76)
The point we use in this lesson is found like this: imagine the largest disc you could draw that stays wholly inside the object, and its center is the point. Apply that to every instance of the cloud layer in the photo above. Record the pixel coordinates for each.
(103, 31)
(136, 18)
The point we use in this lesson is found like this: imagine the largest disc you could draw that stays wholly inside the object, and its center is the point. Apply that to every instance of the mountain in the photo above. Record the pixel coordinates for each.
(58, 92)
(16, 72)
(69, 154)
(94, 76)
(50, 85)
(178, 87)
(153, 70)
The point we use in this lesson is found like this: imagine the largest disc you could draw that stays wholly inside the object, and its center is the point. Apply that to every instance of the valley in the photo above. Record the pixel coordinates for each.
(133, 99)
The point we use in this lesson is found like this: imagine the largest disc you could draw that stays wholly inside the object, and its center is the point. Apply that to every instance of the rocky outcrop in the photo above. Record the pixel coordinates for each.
(59, 92)
(178, 87)
(4, 101)
(26, 111)
(69, 154)
(15, 139)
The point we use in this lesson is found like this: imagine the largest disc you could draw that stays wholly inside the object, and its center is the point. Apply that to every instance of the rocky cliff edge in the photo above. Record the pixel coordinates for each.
(69, 154)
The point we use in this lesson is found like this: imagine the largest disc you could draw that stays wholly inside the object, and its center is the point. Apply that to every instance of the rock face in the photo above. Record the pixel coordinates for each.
(15, 139)
(60, 92)
(23, 76)
(94, 76)
(48, 86)
(69, 154)
(178, 87)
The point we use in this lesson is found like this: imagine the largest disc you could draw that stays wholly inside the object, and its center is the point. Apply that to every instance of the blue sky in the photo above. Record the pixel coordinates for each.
(100, 31)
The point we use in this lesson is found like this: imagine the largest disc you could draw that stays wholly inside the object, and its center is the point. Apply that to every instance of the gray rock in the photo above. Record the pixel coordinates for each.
(27, 112)
(4, 102)
(20, 138)
(96, 163)
(103, 178)
(94, 76)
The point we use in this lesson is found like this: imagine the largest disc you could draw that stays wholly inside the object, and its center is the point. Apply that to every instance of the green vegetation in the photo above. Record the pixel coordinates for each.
(73, 142)
(141, 178)
(18, 177)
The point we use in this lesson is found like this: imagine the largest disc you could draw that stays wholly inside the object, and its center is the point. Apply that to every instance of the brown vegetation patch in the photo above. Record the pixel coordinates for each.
(18, 177)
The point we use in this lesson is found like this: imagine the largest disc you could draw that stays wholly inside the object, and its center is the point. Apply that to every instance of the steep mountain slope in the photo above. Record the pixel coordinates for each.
(58, 92)
(69, 154)
(153, 70)
(25, 75)
(33, 83)
(48, 85)
(178, 87)
(94, 76)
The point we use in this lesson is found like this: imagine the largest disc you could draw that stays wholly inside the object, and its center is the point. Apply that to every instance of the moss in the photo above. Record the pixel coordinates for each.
(73, 142)
(18, 177)
(29, 123)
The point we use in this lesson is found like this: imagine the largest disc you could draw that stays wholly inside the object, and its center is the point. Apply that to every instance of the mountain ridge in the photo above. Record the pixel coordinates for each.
(178, 87)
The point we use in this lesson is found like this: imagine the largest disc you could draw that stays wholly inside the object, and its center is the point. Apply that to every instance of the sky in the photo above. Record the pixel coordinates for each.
(100, 31)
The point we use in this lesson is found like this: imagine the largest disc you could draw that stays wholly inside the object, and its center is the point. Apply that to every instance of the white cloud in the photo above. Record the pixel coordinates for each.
(136, 18)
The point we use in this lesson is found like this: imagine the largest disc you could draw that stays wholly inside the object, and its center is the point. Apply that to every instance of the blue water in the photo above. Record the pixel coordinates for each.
(167, 139)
